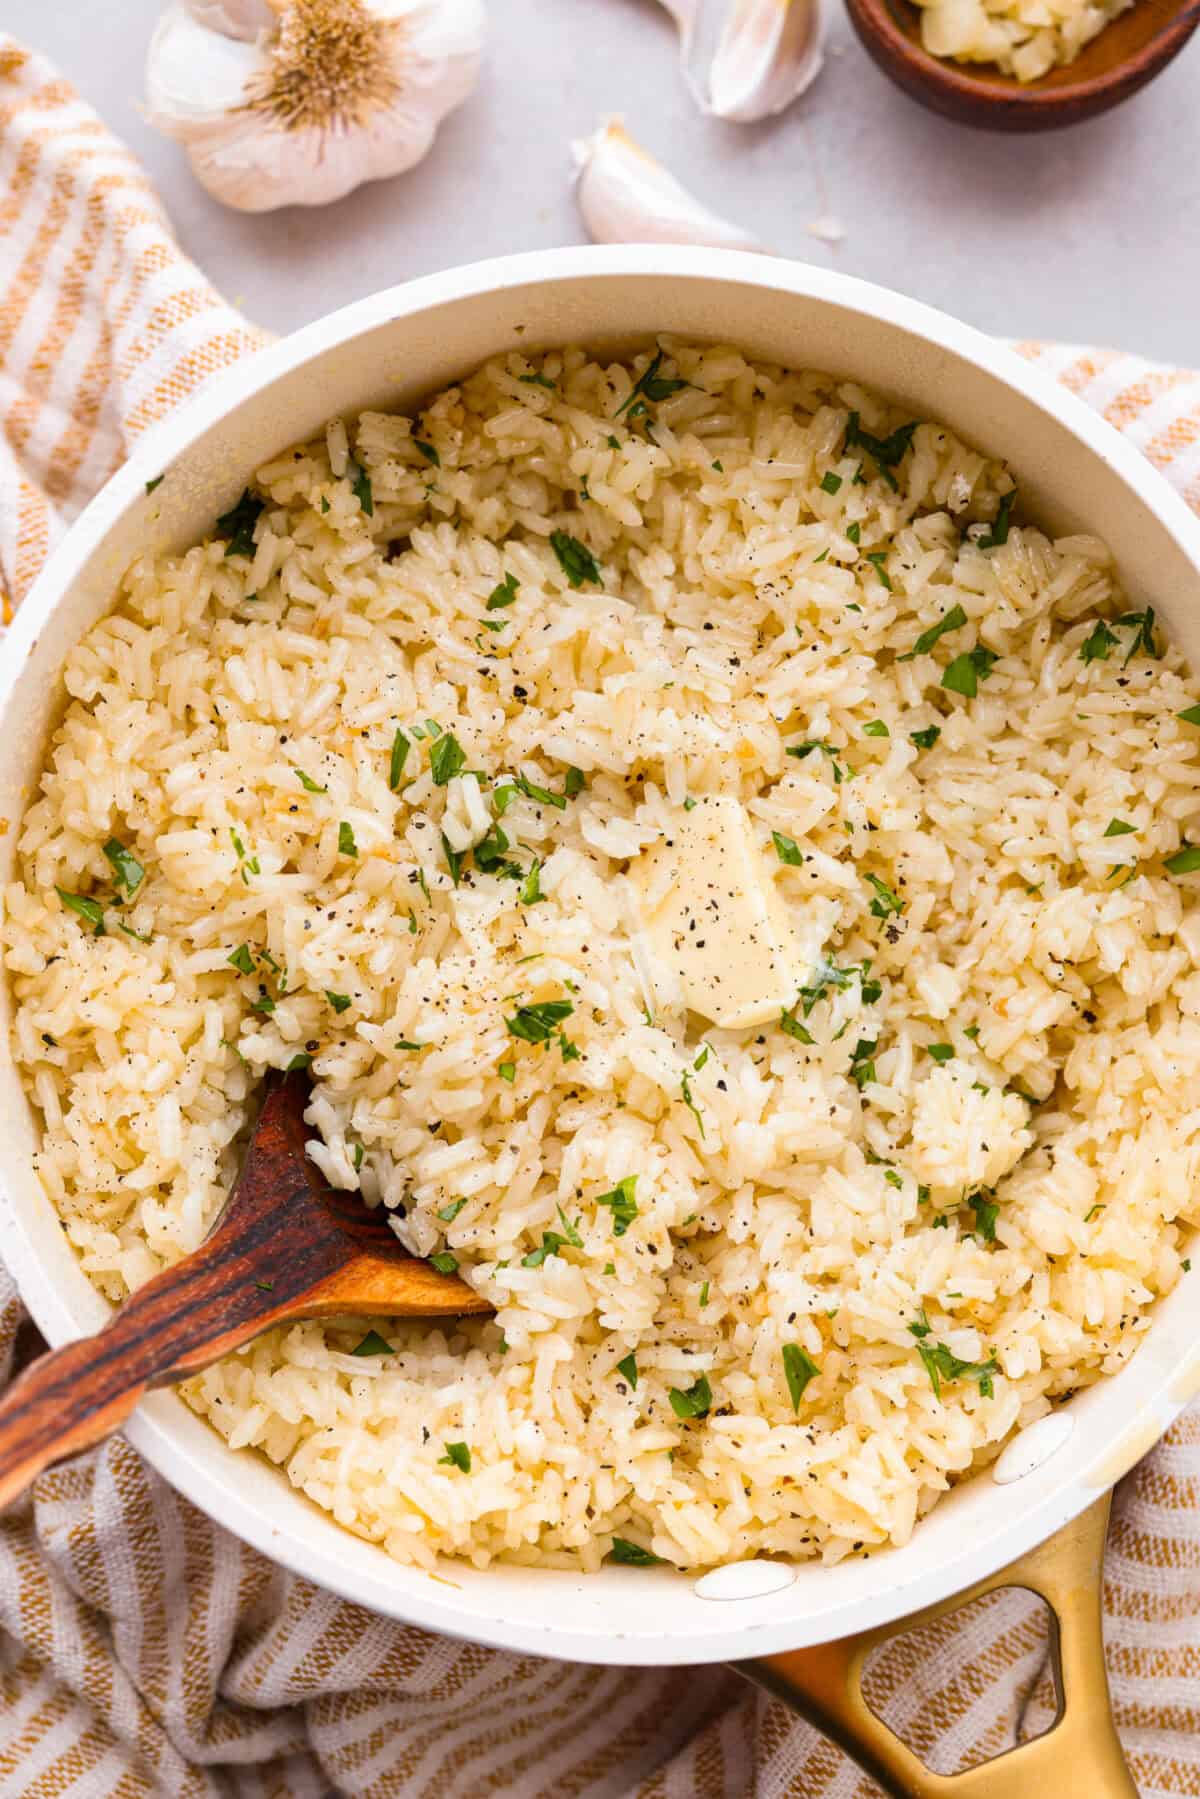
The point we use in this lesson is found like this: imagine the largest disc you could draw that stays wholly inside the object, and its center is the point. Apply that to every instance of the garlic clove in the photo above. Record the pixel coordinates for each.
(336, 93)
(768, 53)
(626, 197)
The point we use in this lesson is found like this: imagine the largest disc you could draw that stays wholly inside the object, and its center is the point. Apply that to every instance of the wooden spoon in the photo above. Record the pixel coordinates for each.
(1121, 59)
(286, 1246)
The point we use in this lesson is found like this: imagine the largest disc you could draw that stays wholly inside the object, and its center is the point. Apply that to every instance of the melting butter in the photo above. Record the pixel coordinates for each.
(719, 937)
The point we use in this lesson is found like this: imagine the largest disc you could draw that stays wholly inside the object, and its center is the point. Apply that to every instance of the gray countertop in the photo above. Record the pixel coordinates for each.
(1091, 235)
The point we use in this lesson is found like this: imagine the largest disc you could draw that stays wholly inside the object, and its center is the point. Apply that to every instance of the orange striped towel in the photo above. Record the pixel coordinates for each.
(143, 1651)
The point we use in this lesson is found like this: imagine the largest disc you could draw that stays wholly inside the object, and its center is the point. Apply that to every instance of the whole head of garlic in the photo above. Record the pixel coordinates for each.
(295, 102)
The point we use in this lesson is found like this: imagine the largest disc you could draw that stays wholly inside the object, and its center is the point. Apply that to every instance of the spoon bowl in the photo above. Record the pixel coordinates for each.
(1121, 59)
(286, 1246)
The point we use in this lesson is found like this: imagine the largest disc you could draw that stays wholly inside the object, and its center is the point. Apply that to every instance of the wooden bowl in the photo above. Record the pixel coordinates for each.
(1123, 58)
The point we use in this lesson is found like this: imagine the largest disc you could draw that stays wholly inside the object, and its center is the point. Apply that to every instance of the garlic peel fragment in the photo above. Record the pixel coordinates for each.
(627, 197)
(768, 53)
(332, 94)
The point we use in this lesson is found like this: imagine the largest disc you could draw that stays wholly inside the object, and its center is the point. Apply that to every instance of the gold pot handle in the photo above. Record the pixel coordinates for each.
(1079, 1757)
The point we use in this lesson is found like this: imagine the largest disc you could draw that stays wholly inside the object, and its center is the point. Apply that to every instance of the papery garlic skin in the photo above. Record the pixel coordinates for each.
(626, 197)
(335, 93)
(768, 53)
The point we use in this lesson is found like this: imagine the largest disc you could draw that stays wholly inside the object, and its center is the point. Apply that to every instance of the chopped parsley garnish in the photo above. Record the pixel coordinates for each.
(801, 750)
(921, 1326)
(876, 728)
(693, 1401)
(538, 1023)
(650, 385)
(446, 758)
(853, 532)
(504, 594)
(685, 1089)
(153, 483)
(949, 621)
(454, 859)
(632, 1554)
(829, 975)
(247, 864)
(986, 1213)
(457, 1456)
(550, 1246)
(787, 849)
(373, 1344)
(491, 857)
(1100, 645)
(704, 1294)
(998, 532)
(622, 1203)
(88, 909)
(444, 1262)
(887, 452)
(399, 756)
(925, 739)
(941, 1052)
(507, 1071)
(878, 560)
(575, 559)
(128, 870)
(298, 1063)
(941, 1364)
(964, 674)
(1191, 716)
(799, 1368)
(238, 524)
(1144, 639)
(339, 1001)
(542, 795)
(537, 381)
(407, 1043)
(243, 959)
(307, 782)
(830, 482)
(790, 1025)
(627, 1368)
(573, 782)
(862, 1065)
(531, 887)
(1184, 862)
(346, 843)
(360, 487)
(570, 1231)
(428, 452)
(886, 903)
(1117, 827)
(264, 1004)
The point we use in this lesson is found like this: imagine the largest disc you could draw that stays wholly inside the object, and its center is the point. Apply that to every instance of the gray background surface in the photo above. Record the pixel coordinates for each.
(1091, 235)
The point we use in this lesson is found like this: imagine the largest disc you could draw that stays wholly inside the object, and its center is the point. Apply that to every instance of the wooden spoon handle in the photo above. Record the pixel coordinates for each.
(177, 1323)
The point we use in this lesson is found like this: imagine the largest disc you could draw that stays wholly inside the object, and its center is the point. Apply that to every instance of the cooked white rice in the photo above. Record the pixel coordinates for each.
(1025, 38)
(765, 564)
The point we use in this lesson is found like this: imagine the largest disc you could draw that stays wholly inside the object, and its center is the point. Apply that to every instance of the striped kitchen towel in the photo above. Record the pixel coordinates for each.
(143, 1651)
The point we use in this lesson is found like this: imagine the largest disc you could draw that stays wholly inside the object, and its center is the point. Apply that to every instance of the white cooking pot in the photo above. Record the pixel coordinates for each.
(1075, 473)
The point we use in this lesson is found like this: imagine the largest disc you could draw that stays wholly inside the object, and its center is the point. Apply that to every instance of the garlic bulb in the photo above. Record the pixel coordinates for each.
(626, 197)
(295, 102)
(768, 52)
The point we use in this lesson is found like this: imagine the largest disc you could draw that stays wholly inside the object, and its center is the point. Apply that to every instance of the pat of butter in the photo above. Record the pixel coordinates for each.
(718, 935)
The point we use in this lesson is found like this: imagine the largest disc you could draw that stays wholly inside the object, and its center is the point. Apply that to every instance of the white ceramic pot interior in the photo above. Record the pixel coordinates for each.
(1074, 473)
